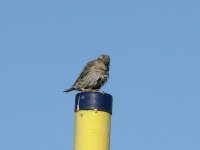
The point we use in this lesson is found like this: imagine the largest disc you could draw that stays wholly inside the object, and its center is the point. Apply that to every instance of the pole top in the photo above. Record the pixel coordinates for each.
(93, 101)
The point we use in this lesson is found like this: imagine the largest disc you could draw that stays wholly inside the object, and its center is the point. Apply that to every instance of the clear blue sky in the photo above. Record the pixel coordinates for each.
(155, 71)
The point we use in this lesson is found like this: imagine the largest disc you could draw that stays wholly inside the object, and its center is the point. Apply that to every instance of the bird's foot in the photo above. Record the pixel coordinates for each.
(91, 90)
(87, 90)
(100, 91)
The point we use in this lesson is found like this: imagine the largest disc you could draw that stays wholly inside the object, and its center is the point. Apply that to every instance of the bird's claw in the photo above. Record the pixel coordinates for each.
(100, 91)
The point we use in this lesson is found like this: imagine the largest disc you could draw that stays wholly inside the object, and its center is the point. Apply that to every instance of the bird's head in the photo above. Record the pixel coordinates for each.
(105, 59)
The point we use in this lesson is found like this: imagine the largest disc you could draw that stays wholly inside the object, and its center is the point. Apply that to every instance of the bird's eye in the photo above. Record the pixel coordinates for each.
(100, 60)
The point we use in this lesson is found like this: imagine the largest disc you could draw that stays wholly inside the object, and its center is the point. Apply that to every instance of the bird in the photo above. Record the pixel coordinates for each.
(94, 75)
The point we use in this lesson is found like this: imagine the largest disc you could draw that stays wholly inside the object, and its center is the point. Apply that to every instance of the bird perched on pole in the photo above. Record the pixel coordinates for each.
(94, 75)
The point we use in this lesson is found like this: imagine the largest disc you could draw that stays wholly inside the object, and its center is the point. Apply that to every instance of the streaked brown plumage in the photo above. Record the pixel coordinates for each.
(93, 76)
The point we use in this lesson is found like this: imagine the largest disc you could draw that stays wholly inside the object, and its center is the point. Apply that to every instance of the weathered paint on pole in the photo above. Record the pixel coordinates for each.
(92, 121)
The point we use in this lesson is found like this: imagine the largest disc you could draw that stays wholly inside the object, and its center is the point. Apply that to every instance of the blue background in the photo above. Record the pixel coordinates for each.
(154, 77)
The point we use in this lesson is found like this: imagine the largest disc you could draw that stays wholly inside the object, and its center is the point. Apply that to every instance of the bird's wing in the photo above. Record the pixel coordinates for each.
(85, 71)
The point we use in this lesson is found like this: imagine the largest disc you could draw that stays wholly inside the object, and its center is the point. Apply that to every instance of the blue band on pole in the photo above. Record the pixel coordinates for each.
(93, 101)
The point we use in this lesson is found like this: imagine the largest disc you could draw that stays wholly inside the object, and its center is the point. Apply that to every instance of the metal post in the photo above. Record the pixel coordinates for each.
(92, 121)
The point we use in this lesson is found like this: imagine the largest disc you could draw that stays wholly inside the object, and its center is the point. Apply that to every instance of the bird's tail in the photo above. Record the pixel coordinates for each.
(70, 89)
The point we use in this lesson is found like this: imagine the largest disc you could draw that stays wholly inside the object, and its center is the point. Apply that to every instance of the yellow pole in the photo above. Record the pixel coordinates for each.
(92, 121)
